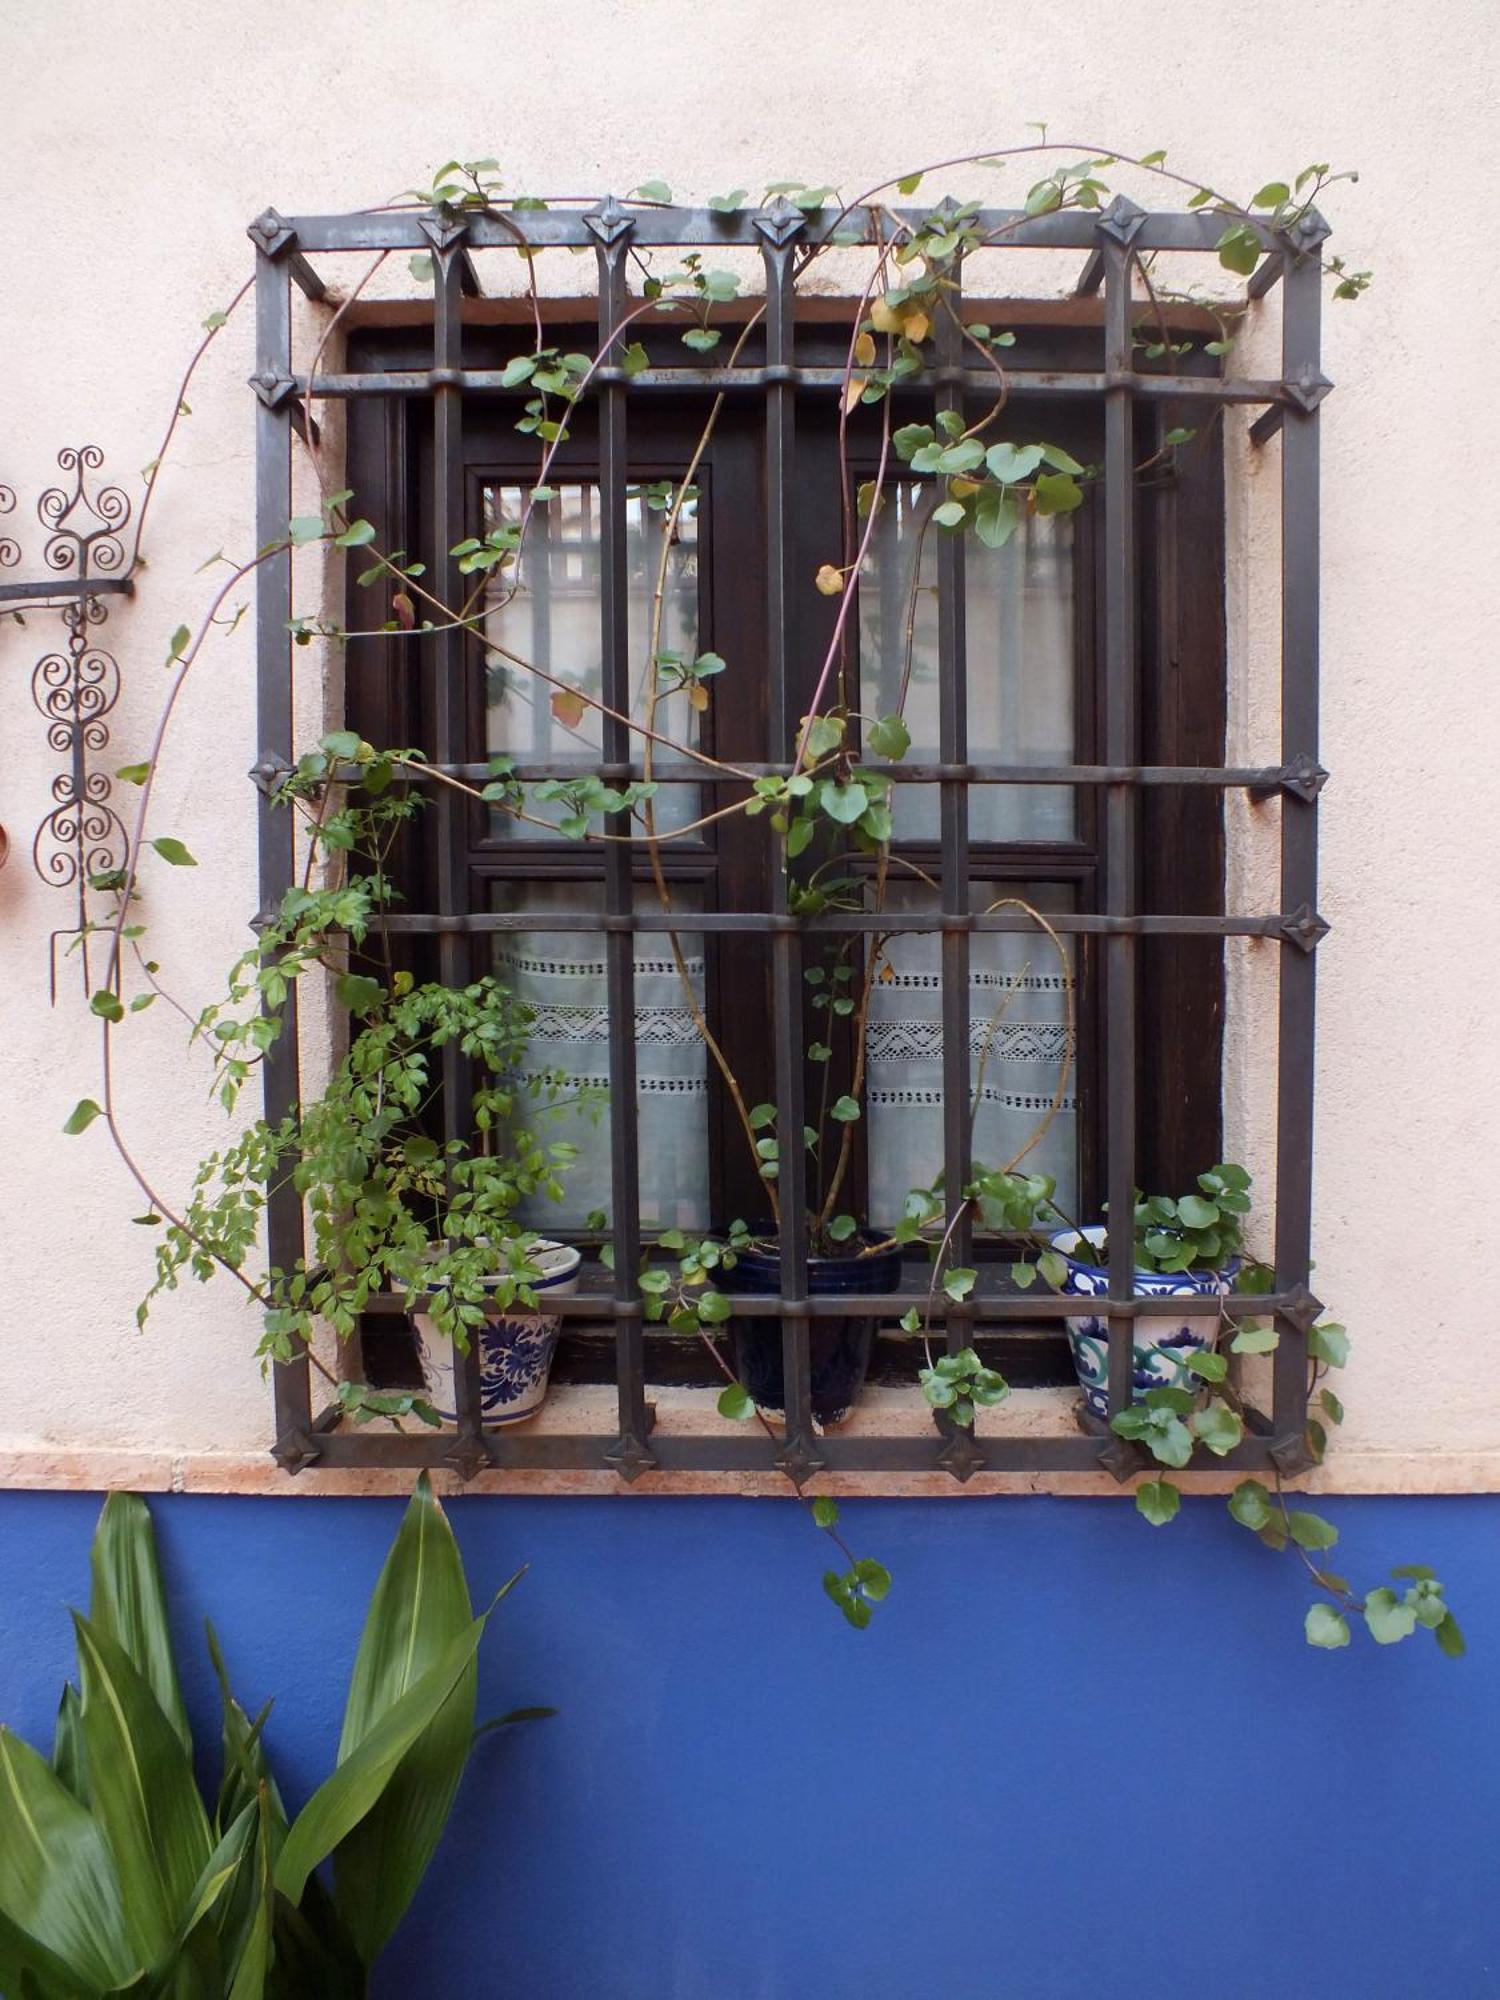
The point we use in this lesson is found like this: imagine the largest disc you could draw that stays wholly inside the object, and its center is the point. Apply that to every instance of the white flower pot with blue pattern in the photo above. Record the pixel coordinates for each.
(1162, 1343)
(515, 1347)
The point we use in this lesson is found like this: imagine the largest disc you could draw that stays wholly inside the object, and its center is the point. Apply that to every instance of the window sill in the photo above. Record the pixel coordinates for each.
(588, 1409)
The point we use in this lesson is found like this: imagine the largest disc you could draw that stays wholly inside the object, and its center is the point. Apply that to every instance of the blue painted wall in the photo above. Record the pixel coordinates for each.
(999, 1792)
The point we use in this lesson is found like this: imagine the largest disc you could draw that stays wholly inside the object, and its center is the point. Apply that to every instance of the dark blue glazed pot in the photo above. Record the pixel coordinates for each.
(839, 1348)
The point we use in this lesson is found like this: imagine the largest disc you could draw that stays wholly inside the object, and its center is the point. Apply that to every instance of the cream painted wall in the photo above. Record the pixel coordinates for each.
(140, 139)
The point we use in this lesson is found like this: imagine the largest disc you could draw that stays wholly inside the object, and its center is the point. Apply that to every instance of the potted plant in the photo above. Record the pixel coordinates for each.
(389, 1207)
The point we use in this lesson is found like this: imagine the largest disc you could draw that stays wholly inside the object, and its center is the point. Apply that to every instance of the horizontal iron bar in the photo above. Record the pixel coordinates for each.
(683, 771)
(657, 923)
(1066, 229)
(47, 588)
(1018, 382)
(864, 1305)
(750, 1452)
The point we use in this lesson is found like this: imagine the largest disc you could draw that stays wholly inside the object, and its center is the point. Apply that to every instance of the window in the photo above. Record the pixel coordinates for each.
(1065, 698)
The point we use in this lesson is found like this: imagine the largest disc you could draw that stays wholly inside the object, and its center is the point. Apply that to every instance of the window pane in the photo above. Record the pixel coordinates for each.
(1019, 615)
(1018, 1038)
(561, 976)
(548, 615)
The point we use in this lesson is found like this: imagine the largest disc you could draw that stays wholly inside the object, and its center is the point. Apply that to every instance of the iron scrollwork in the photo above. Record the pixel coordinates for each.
(75, 689)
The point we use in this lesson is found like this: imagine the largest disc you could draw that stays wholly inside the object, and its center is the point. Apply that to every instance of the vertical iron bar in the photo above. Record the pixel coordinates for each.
(450, 659)
(629, 1453)
(953, 742)
(780, 227)
(1120, 806)
(276, 825)
(1301, 306)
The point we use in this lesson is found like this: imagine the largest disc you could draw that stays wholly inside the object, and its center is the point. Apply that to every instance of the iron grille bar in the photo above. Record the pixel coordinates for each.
(953, 809)
(751, 1452)
(1301, 304)
(799, 1453)
(276, 826)
(450, 705)
(1018, 382)
(683, 771)
(1120, 803)
(834, 922)
(881, 1305)
(1066, 229)
(629, 1453)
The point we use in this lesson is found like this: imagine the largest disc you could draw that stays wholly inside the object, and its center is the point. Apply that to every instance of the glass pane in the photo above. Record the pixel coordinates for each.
(1019, 614)
(1018, 1039)
(548, 614)
(561, 975)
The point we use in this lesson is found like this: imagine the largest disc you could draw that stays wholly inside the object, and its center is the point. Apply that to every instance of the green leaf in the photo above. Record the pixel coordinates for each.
(1272, 195)
(106, 1005)
(1208, 1367)
(128, 1604)
(304, 528)
(727, 204)
(713, 1307)
(1158, 1500)
(1218, 1428)
(142, 1792)
(874, 1578)
(180, 641)
(355, 535)
(58, 1884)
(1450, 1637)
(1329, 1343)
(133, 774)
(911, 1320)
(1255, 1340)
(889, 738)
(650, 191)
(842, 1227)
(1056, 493)
(845, 1109)
(419, 1612)
(844, 803)
(736, 1403)
(342, 1801)
(1250, 1505)
(173, 851)
(825, 1511)
(358, 992)
(1196, 1212)
(83, 1114)
(959, 1282)
(1326, 1627)
(1334, 1410)
(1311, 1531)
(1388, 1618)
(635, 361)
(951, 514)
(1239, 249)
(996, 517)
(1010, 463)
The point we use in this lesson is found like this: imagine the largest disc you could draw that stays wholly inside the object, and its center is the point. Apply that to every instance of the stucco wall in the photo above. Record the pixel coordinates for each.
(139, 142)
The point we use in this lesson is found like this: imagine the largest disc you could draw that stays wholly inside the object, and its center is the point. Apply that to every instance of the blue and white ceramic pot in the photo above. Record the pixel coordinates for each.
(1162, 1343)
(515, 1347)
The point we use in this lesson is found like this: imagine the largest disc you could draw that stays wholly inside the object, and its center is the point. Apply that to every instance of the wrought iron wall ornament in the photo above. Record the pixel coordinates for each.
(75, 689)
(10, 549)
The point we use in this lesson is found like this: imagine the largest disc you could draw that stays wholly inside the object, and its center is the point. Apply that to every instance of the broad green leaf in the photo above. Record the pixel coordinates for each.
(68, 1760)
(1255, 1340)
(245, 1770)
(420, 1607)
(83, 1114)
(1329, 1343)
(1388, 1618)
(1311, 1531)
(128, 1604)
(1158, 1500)
(1326, 1627)
(959, 1282)
(31, 1972)
(1056, 493)
(1250, 1504)
(1012, 462)
(342, 1801)
(844, 803)
(873, 1577)
(996, 517)
(736, 1404)
(173, 850)
(889, 737)
(58, 1884)
(825, 1511)
(142, 1792)
(1450, 1637)
(1218, 1428)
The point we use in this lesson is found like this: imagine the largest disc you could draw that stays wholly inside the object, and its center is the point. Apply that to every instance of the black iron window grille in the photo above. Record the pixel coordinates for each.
(780, 387)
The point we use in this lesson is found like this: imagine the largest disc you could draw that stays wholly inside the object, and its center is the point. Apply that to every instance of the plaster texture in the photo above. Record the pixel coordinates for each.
(139, 142)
